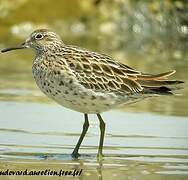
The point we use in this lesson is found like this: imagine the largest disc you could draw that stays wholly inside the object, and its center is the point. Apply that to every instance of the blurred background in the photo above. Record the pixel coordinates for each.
(151, 36)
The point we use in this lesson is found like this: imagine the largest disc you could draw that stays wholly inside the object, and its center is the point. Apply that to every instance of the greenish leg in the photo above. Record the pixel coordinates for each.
(75, 153)
(102, 129)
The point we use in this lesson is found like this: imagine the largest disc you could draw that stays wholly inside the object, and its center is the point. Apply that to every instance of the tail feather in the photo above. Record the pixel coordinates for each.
(161, 76)
(159, 84)
(160, 90)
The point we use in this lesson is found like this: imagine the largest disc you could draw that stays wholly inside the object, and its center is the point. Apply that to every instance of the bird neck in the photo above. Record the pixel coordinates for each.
(49, 48)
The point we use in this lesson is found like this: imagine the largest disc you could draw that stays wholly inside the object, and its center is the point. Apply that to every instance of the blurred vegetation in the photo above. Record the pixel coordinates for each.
(139, 26)
(148, 35)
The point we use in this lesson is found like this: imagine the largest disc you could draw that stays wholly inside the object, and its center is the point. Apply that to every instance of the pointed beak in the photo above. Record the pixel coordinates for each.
(22, 46)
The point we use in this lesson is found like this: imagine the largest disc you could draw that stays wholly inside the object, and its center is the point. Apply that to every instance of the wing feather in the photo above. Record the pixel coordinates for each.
(100, 72)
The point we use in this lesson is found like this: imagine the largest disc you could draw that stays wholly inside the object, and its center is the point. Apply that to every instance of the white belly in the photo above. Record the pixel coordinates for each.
(76, 97)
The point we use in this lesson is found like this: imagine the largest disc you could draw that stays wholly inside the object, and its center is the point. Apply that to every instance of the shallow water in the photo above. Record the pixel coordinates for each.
(146, 140)
(137, 145)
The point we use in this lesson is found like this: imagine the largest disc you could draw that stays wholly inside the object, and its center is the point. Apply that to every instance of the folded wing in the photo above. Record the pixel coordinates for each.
(100, 72)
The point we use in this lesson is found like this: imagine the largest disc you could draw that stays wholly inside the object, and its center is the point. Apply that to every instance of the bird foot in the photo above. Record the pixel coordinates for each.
(100, 156)
(75, 155)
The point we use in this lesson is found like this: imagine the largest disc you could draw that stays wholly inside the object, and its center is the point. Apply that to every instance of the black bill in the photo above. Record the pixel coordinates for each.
(13, 48)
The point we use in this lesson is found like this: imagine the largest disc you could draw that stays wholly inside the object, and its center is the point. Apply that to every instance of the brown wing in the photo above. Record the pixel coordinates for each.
(101, 73)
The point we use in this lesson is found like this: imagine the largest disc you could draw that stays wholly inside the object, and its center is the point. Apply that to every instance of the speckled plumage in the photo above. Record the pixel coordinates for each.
(86, 81)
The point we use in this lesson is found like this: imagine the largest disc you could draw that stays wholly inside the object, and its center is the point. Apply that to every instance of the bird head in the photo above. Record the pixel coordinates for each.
(38, 40)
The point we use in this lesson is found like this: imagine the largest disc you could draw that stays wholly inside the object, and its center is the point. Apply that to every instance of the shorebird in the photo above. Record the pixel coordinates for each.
(88, 82)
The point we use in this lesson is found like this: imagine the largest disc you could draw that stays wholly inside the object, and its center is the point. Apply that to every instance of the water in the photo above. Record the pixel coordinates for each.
(136, 145)
(147, 140)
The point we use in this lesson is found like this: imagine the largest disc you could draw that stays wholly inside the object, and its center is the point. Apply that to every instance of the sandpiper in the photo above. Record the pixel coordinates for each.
(88, 82)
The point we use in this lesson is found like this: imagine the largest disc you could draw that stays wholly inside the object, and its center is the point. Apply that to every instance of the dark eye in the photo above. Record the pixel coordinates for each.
(38, 36)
